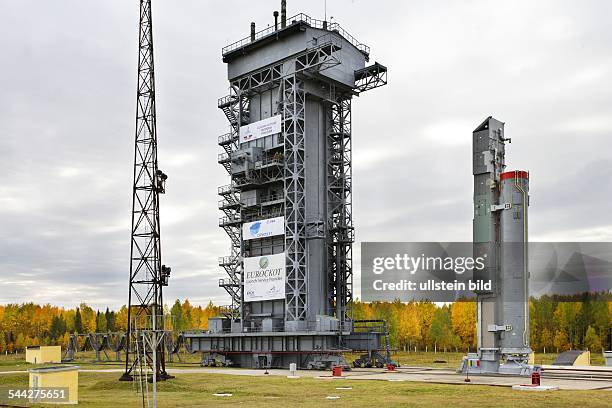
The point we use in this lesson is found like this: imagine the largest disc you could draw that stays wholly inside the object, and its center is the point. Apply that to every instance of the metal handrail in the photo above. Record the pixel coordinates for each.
(261, 200)
(311, 326)
(267, 161)
(229, 220)
(263, 215)
(227, 282)
(225, 203)
(228, 137)
(226, 189)
(228, 260)
(226, 100)
(301, 17)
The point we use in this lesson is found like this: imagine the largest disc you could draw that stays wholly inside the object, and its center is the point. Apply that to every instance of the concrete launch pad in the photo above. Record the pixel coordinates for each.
(571, 380)
(438, 376)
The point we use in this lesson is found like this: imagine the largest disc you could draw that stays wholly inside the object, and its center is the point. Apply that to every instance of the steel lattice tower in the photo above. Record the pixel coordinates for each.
(147, 274)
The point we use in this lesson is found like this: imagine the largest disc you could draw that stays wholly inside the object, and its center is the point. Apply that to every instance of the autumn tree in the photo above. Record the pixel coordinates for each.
(100, 322)
(408, 324)
(89, 318)
(109, 316)
(546, 340)
(463, 317)
(187, 318)
(592, 341)
(560, 341)
(121, 319)
(425, 313)
(58, 327)
(20, 343)
(69, 317)
(441, 329)
(78, 322)
(177, 315)
(566, 319)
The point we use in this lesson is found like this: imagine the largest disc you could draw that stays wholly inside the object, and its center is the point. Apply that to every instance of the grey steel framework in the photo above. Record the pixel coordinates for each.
(295, 228)
(500, 235)
(307, 71)
(147, 274)
(340, 221)
(320, 55)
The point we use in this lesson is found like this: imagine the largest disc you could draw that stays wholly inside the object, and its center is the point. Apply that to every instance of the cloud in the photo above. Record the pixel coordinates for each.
(67, 99)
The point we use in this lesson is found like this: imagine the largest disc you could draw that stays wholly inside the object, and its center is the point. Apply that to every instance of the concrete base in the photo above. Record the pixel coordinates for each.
(529, 387)
(516, 366)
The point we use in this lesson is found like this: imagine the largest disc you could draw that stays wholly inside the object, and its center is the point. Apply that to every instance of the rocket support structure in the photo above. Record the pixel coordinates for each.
(500, 235)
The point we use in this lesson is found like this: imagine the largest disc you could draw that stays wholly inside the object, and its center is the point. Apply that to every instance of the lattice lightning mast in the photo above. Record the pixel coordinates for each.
(147, 274)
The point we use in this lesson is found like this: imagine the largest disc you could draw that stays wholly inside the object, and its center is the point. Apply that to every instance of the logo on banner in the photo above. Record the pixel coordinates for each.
(263, 262)
(255, 228)
(246, 133)
(263, 228)
(261, 128)
(264, 277)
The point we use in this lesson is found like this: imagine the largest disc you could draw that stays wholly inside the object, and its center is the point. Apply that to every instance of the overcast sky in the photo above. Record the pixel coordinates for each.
(67, 104)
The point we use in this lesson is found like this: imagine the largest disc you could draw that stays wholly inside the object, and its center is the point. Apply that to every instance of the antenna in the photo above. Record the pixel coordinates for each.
(325, 10)
(147, 274)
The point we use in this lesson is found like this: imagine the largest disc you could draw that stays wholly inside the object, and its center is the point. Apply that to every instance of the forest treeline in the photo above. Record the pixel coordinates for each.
(557, 323)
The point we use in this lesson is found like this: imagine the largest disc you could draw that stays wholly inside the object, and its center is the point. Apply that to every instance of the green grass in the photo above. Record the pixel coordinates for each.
(191, 390)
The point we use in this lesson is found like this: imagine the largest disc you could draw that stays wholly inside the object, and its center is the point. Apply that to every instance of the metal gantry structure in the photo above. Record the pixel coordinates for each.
(301, 75)
(286, 166)
(147, 274)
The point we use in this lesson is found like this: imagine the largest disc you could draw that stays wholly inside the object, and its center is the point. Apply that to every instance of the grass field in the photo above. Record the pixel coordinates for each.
(196, 390)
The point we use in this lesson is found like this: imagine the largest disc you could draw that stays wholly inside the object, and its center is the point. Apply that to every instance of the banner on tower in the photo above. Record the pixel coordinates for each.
(261, 128)
(263, 228)
(264, 277)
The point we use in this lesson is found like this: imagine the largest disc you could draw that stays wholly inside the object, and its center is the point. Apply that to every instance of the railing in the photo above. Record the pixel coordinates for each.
(225, 309)
(229, 220)
(223, 157)
(227, 260)
(226, 101)
(370, 326)
(263, 215)
(275, 328)
(227, 282)
(229, 188)
(267, 161)
(311, 326)
(249, 202)
(225, 203)
(227, 138)
(293, 20)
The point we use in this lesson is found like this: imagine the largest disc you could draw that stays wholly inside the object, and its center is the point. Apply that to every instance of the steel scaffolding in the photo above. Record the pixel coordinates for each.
(302, 174)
